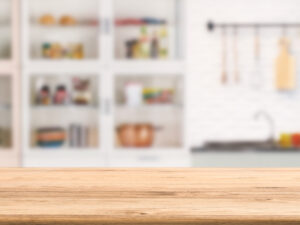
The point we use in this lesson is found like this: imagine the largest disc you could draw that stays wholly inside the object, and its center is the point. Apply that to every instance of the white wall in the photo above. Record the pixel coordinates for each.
(226, 112)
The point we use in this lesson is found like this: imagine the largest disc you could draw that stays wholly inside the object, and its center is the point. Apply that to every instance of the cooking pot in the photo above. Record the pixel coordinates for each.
(127, 135)
(144, 135)
(136, 135)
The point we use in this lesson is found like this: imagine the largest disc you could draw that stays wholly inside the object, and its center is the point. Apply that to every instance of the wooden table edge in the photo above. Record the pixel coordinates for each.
(102, 220)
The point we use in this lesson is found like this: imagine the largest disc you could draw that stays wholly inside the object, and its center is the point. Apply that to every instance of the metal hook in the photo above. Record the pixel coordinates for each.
(257, 41)
(210, 26)
(224, 31)
(235, 30)
(256, 29)
(284, 28)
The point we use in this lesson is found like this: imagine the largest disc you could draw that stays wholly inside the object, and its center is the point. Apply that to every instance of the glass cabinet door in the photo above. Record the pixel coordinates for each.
(64, 29)
(148, 29)
(64, 111)
(5, 112)
(5, 29)
(149, 111)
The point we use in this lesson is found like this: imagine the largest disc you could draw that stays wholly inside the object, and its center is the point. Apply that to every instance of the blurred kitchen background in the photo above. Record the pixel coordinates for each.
(149, 83)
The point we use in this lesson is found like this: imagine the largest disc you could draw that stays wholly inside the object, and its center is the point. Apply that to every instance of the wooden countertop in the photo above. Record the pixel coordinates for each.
(149, 196)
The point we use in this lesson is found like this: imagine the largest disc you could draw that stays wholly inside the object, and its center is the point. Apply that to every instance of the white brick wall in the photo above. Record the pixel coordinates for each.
(226, 112)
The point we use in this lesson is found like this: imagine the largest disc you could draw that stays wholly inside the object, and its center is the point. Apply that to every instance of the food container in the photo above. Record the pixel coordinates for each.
(82, 94)
(158, 95)
(50, 137)
(134, 94)
(285, 140)
(296, 140)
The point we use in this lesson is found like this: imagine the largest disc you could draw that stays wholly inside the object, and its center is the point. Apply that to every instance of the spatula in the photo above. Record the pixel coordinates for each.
(256, 77)
(236, 57)
(285, 67)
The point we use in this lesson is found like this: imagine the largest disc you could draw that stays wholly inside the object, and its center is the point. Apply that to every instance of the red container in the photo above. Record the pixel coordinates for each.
(296, 140)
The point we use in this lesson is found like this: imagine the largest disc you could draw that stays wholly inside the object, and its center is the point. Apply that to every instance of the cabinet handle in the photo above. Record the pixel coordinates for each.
(107, 106)
(148, 158)
(106, 26)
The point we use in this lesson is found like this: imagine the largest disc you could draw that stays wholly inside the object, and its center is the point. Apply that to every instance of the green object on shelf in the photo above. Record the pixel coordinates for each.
(163, 45)
(144, 43)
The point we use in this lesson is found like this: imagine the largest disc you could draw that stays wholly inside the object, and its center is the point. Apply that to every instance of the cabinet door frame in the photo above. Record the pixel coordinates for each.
(44, 158)
(153, 157)
(26, 43)
(156, 156)
(106, 32)
(11, 157)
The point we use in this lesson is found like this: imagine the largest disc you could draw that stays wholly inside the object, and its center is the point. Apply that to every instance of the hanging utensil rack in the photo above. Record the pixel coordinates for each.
(211, 26)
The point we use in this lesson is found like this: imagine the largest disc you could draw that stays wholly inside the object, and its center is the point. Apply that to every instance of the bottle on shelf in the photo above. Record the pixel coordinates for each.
(154, 46)
(43, 96)
(163, 43)
(144, 43)
(60, 96)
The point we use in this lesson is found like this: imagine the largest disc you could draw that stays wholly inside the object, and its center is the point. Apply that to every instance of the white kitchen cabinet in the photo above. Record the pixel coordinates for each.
(67, 39)
(9, 84)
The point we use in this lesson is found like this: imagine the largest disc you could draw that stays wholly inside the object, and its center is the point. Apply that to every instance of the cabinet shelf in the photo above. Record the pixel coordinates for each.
(53, 66)
(120, 26)
(57, 28)
(64, 150)
(149, 66)
(150, 107)
(64, 107)
(150, 150)
(5, 107)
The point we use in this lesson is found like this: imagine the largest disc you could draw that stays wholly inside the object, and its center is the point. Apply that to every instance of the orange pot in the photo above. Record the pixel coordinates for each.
(144, 135)
(127, 135)
(136, 135)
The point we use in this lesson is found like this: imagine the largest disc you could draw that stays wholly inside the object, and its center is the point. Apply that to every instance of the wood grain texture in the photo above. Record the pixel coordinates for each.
(149, 196)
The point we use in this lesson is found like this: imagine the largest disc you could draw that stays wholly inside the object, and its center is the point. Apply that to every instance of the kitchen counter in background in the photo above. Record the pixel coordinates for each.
(241, 154)
(259, 158)
(150, 196)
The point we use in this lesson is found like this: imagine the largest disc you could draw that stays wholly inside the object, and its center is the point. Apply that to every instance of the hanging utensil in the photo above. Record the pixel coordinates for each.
(257, 44)
(285, 65)
(224, 75)
(257, 76)
(236, 56)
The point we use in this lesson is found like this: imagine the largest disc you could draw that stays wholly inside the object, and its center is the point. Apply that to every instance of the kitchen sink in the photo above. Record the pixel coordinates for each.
(268, 145)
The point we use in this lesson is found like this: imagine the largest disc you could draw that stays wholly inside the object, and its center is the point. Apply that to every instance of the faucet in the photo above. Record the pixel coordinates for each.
(270, 121)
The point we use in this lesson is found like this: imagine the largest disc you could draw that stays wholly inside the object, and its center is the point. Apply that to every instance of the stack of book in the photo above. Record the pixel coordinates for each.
(81, 136)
